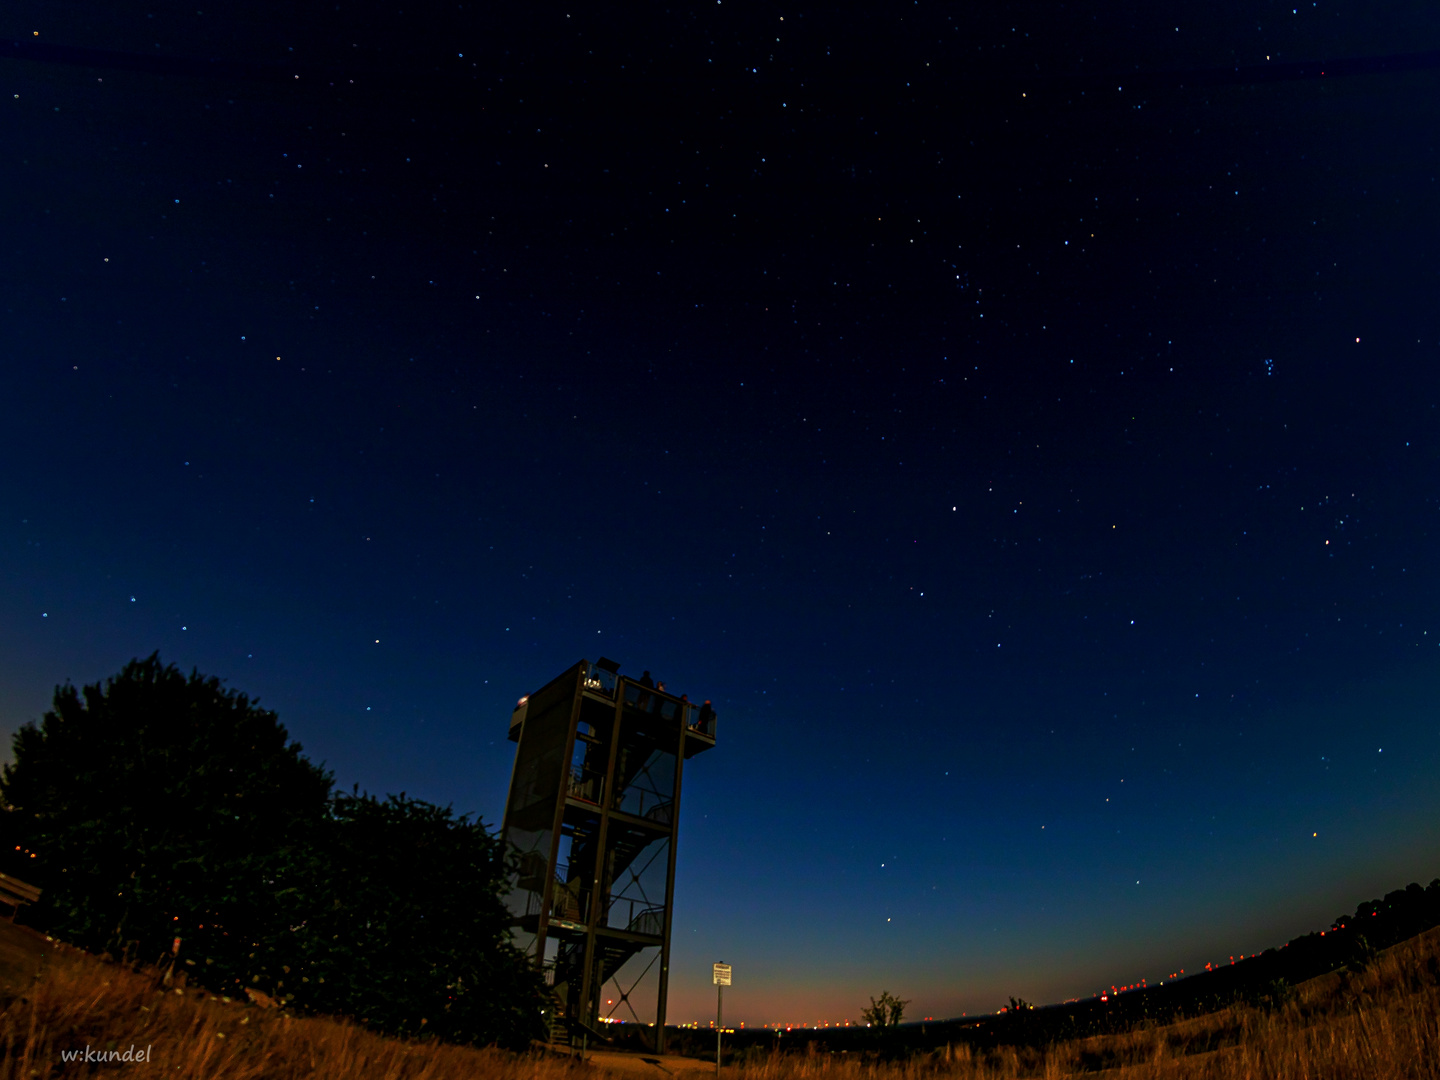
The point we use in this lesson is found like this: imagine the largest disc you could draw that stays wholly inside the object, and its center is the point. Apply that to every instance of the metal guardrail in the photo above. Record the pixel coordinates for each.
(651, 700)
(657, 703)
(702, 721)
(600, 681)
(587, 784)
(638, 916)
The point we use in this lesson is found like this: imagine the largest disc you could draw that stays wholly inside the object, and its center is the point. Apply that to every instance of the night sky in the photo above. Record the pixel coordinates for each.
(1021, 420)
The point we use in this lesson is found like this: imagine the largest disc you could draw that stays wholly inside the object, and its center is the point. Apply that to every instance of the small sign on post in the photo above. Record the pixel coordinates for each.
(722, 980)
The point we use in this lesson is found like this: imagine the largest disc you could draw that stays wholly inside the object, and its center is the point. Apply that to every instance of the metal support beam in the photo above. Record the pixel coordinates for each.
(670, 890)
(605, 841)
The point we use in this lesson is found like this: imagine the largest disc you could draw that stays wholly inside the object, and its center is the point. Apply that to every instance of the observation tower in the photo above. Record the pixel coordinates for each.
(592, 819)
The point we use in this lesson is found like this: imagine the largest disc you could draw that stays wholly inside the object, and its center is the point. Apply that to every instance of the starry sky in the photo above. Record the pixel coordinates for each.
(1021, 420)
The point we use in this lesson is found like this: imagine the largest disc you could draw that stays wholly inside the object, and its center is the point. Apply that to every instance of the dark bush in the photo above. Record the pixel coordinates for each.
(160, 806)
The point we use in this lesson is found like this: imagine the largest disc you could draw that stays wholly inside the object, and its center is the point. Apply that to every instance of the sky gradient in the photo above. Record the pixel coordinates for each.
(1021, 424)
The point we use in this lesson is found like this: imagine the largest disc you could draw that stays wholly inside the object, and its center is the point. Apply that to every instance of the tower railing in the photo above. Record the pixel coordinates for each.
(637, 915)
(572, 905)
(698, 721)
(587, 784)
(643, 803)
(655, 702)
(600, 681)
(659, 703)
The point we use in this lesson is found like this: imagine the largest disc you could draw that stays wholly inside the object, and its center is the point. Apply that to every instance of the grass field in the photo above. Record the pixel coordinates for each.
(78, 1002)
(1381, 1022)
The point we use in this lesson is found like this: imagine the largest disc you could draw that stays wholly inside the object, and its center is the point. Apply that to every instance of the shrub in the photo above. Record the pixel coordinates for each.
(172, 817)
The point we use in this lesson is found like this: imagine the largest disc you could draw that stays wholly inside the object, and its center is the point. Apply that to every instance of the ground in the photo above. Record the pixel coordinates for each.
(22, 954)
(653, 1065)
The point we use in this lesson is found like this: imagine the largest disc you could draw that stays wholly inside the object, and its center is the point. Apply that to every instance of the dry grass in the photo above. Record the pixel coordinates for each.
(77, 1001)
(1384, 1022)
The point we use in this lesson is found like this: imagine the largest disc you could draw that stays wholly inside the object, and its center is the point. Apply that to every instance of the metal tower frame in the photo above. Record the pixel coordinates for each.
(592, 821)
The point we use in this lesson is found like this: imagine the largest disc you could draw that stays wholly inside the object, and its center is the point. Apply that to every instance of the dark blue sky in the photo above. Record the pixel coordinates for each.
(1038, 471)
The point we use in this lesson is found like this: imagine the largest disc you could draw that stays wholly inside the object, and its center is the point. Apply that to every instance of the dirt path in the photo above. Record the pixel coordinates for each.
(655, 1066)
(22, 954)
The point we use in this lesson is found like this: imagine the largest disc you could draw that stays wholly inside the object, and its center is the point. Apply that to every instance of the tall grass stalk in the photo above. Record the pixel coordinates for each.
(77, 1001)
(1381, 1022)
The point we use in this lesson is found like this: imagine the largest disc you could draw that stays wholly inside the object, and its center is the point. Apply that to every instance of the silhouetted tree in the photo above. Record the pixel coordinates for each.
(885, 1013)
(162, 806)
(406, 928)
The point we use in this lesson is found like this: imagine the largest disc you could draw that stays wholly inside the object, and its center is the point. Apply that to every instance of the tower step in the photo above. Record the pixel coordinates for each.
(559, 1034)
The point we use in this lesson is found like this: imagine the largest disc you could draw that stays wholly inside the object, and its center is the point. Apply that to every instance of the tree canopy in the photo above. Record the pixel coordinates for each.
(885, 1013)
(163, 806)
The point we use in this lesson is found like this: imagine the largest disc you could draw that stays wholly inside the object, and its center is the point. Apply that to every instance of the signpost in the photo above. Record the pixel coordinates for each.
(722, 980)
